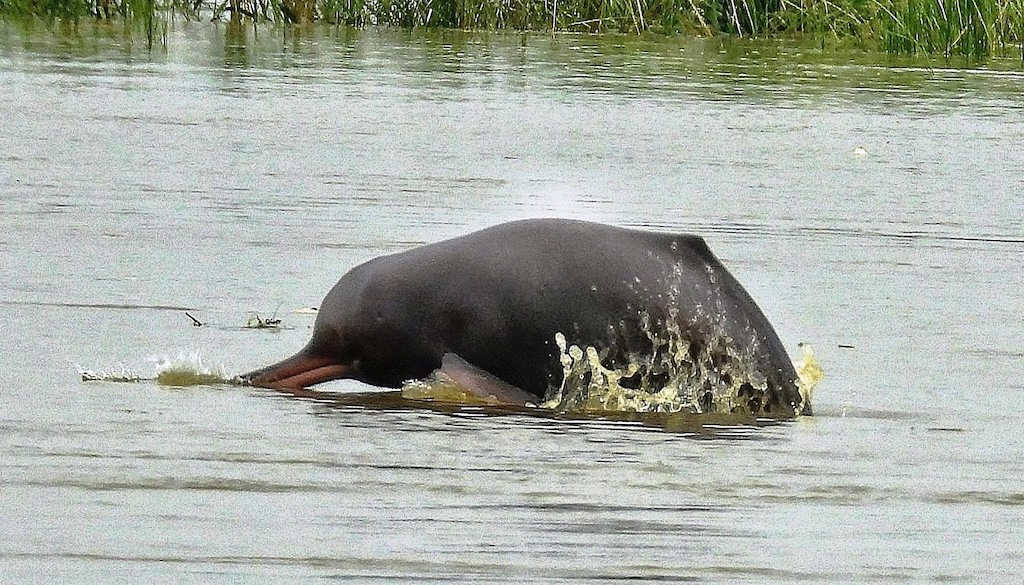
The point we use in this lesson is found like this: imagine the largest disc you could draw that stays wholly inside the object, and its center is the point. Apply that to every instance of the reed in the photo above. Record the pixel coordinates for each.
(839, 19)
(970, 28)
(946, 27)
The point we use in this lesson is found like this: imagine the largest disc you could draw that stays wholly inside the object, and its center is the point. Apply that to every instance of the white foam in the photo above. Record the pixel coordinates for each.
(115, 374)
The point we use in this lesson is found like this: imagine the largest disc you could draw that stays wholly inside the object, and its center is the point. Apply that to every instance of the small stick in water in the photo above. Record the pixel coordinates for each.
(257, 322)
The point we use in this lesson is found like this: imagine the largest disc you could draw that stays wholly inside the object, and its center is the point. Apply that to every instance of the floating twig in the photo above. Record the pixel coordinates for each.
(195, 322)
(256, 322)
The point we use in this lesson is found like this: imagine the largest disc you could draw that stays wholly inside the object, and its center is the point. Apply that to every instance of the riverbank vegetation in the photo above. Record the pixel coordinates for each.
(969, 28)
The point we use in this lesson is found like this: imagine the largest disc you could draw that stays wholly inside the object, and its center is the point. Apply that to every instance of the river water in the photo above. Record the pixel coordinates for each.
(874, 209)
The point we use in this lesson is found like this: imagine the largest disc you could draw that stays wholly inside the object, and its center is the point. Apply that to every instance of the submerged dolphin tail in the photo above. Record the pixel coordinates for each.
(299, 371)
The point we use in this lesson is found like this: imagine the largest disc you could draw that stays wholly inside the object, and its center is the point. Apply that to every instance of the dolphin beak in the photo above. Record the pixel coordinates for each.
(297, 372)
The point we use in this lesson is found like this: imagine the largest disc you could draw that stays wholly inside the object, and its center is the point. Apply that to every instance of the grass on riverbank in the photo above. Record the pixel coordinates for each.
(969, 28)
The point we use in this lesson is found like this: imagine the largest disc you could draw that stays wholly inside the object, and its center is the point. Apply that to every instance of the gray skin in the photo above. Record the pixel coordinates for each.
(497, 297)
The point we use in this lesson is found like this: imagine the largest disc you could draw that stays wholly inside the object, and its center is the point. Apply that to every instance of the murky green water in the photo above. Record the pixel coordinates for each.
(873, 210)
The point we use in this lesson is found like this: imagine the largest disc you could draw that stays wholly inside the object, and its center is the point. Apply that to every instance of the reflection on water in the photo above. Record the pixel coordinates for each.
(234, 171)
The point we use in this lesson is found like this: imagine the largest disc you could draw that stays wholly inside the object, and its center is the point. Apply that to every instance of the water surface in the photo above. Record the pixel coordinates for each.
(872, 208)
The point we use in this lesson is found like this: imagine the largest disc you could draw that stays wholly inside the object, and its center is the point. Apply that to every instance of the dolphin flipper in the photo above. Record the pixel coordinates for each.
(482, 383)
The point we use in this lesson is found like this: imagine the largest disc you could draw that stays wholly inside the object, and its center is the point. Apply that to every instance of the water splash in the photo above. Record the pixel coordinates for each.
(697, 365)
(118, 374)
(183, 370)
(809, 372)
(679, 375)
(187, 370)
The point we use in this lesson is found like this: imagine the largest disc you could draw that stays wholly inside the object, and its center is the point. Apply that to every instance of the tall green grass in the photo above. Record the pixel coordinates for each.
(73, 9)
(970, 28)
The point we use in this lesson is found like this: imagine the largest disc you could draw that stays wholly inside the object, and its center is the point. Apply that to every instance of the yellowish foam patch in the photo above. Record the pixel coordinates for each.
(185, 377)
